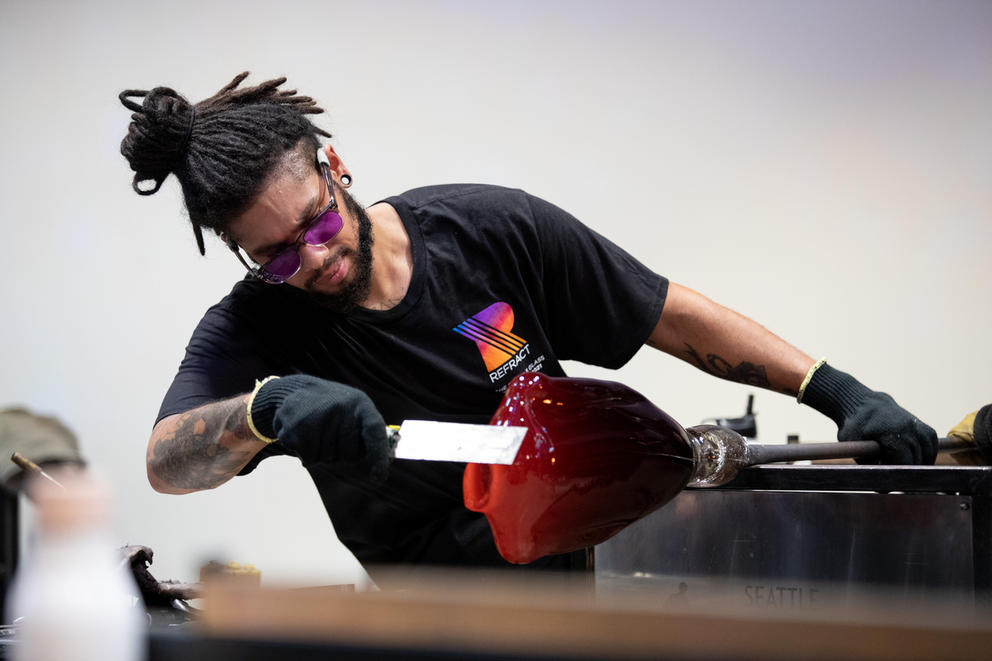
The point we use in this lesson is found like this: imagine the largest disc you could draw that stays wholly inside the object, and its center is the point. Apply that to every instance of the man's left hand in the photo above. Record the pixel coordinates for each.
(863, 414)
(903, 437)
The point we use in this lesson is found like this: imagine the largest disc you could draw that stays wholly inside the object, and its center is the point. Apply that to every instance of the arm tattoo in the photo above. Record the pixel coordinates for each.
(194, 455)
(749, 373)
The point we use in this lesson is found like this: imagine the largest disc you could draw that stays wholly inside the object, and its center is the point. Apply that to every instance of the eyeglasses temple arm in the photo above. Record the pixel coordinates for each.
(237, 253)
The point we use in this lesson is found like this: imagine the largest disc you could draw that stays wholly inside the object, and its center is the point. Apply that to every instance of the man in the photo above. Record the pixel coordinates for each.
(424, 305)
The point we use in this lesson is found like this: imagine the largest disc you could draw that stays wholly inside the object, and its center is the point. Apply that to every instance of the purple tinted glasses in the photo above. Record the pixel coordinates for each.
(323, 227)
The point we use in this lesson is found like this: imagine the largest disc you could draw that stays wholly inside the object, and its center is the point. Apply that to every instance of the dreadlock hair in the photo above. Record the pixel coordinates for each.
(222, 149)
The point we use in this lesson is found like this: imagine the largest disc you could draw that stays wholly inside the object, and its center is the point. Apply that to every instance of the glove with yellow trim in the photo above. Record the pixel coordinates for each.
(976, 427)
(865, 414)
(322, 421)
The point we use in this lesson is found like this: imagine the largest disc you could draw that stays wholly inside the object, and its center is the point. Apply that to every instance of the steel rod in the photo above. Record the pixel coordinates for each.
(770, 453)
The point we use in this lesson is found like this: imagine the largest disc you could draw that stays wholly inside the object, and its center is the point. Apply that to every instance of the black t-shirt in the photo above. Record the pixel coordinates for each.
(502, 283)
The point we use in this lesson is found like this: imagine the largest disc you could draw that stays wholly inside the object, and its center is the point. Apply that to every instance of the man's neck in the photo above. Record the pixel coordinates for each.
(392, 259)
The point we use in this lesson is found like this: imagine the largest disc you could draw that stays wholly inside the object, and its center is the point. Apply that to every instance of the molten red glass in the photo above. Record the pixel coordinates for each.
(597, 457)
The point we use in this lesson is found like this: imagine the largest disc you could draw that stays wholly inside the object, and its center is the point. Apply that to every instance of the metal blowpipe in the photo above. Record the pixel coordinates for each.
(720, 453)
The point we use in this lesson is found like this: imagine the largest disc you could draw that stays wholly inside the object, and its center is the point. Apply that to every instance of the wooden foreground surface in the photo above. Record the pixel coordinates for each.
(510, 614)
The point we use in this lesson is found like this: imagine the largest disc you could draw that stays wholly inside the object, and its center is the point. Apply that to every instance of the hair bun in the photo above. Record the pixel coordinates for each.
(158, 136)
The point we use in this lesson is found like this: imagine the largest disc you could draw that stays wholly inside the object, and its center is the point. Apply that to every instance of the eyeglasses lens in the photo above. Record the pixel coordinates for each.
(283, 265)
(287, 262)
(324, 228)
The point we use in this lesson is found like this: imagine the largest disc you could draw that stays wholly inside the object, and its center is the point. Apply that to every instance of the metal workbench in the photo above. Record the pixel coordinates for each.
(788, 536)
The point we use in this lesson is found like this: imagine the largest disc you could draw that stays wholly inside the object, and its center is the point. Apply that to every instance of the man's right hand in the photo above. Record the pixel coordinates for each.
(323, 421)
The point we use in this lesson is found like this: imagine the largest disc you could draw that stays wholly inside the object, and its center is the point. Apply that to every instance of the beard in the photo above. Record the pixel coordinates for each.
(356, 289)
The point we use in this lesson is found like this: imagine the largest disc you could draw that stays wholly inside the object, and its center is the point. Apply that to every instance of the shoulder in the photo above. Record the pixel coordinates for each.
(246, 295)
(478, 207)
(251, 306)
(459, 196)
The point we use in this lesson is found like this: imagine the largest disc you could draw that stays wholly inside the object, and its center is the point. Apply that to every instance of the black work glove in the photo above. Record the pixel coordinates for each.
(323, 421)
(864, 414)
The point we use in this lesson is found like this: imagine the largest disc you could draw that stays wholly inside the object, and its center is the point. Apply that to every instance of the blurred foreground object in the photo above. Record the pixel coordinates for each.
(246, 573)
(461, 614)
(40, 439)
(166, 602)
(34, 440)
(29, 466)
(72, 597)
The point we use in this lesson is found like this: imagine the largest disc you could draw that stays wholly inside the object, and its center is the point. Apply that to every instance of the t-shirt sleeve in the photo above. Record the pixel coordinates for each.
(223, 359)
(219, 363)
(601, 303)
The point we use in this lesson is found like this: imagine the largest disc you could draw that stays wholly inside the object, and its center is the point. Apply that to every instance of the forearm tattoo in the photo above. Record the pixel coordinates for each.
(194, 455)
(745, 372)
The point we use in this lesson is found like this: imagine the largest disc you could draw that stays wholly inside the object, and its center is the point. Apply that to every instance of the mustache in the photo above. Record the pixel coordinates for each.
(330, 264)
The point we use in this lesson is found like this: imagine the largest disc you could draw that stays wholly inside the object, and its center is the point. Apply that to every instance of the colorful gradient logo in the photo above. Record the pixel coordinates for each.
(490, 330)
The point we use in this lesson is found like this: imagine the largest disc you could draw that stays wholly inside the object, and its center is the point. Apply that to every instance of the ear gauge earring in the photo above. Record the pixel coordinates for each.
(345, 180)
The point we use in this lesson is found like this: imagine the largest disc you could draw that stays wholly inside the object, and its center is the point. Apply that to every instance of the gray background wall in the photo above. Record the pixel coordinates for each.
(823, 167)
